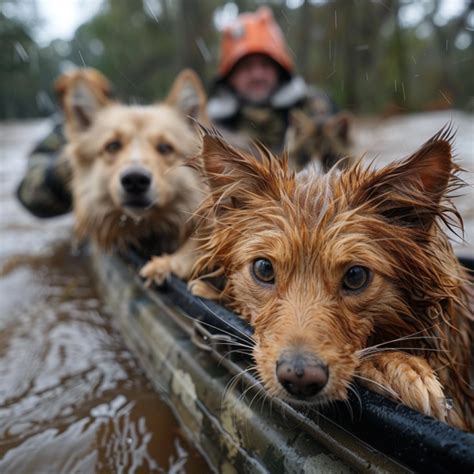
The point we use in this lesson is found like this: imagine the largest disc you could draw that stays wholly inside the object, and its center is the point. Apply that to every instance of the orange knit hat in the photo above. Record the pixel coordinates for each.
(253, 33)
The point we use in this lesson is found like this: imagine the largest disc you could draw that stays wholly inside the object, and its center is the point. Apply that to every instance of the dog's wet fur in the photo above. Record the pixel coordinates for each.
(347, 276)
(129, 184)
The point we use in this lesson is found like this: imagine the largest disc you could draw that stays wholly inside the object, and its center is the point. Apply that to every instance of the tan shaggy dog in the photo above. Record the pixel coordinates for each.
(129, 184)
(345, 277)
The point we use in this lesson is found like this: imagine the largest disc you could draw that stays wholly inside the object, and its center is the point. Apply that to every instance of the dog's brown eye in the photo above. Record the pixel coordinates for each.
(114, 146)
(165, 148)
(263, 271)
(356, 278)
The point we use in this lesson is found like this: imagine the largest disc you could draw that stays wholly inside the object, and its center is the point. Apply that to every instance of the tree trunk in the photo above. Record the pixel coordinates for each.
(304, 37)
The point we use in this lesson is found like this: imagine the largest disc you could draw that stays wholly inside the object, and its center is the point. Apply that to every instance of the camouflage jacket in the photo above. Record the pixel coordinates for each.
(44, 190)
(265, 123)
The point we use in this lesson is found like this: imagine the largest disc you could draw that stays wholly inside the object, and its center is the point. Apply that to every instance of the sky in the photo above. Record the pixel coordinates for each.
(60, 18)
(52, 19)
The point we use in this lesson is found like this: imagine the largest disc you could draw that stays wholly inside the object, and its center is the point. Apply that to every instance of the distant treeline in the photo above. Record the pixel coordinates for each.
(379, 57)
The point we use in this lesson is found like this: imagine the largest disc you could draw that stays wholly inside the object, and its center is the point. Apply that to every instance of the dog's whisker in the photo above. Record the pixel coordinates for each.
(263, 396)
(258, 393)
(233, 383)
(378, 384)
(368, 354)
(248, 389)
(239, 345)
(234, 351)
(403, 338)
(234, 380)
(354, 390)
(245, 335)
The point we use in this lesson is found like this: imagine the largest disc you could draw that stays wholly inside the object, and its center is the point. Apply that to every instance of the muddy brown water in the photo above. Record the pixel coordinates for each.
(72, 397)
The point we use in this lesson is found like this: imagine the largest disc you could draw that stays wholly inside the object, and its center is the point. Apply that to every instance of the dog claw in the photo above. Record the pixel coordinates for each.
(157, 270)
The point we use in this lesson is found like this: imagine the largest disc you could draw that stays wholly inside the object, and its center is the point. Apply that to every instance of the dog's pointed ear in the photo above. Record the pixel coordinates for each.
(234, 176)
(82, 94)
(189, 97)
(340, 126)
(216, 159)
(409, 193)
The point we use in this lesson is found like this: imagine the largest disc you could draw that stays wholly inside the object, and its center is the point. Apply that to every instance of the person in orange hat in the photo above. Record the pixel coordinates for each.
(256, 87)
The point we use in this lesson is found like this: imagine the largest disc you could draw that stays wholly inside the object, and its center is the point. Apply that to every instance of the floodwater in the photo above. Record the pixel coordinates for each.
(72, 398)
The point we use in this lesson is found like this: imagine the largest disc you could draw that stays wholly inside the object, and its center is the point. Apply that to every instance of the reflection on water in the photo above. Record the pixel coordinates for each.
(72, 398)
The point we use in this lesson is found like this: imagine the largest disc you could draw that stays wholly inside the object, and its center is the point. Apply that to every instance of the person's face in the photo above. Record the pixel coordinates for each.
(254, 78)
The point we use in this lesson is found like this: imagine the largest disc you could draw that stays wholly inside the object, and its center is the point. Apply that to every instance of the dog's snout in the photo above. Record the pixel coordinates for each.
(302, 375)
(136, 181)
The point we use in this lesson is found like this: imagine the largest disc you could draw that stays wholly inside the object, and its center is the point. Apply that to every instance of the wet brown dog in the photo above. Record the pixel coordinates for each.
(345, 277)
(129, 184)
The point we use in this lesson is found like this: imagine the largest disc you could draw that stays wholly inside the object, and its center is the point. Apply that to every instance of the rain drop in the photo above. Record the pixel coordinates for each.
(21, 52)
(448, 403)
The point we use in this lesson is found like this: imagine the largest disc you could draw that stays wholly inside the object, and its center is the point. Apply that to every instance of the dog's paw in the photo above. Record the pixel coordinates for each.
(203, 290)
(157, 270)
(404, 378)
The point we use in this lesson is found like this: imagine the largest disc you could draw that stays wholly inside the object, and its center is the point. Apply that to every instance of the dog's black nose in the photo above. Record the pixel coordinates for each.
(136, 181)
(301, 375)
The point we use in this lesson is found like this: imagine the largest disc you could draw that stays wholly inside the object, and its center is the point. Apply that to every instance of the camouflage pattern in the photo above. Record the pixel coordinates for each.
(232, 424)
(267, 123)
(263, 124)
(45, 188)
